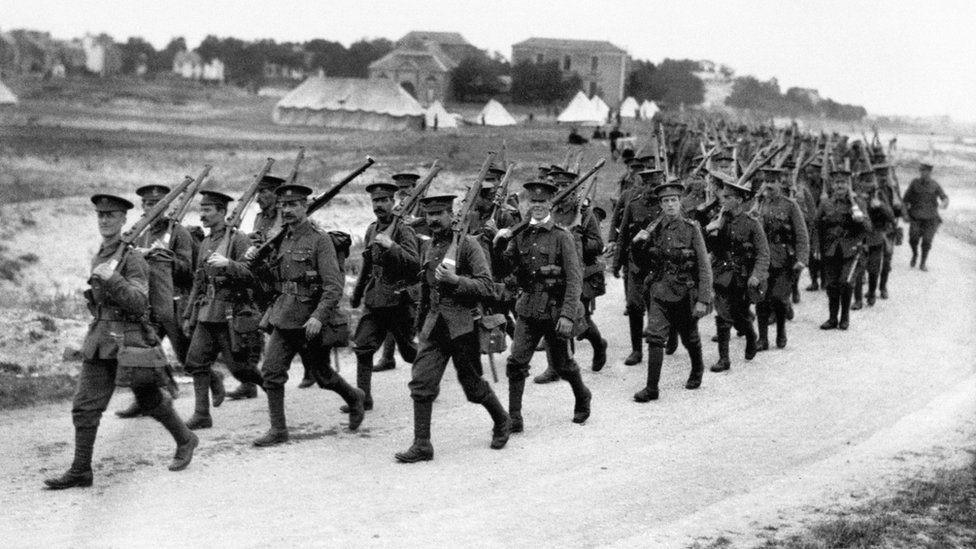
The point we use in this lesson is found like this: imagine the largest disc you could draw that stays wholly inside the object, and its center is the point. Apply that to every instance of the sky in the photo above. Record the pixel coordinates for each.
(893, 57)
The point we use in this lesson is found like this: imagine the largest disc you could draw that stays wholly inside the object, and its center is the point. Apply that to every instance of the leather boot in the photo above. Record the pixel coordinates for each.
(186, 440)
(858, 292)
(795, 294)
(592, 334)
(845, 308)
(131, 411)
(364, 377)
(833, 305)
(278, 433)
(582, 395)
(201, 404)
(636, 355)
(751, 337)
(914, 256)
(672, 345)
(697, 367)
(548, 375)
(655, 358)
(355, 399)
(872, 288)
(723, 364)
(502, 423)
(217, 388)
(79, 475)
(421, 449)
(515, 389)
(762, 315)
(925, 257)
(243, 391)
(780, 326)
(883, 284)
(387, 359)
(307, 379)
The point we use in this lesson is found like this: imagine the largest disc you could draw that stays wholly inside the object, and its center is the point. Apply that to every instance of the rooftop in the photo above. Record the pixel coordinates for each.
(570, 44)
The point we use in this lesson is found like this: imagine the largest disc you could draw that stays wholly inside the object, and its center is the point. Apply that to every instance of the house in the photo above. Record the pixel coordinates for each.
(102, 57)
(451, 44)
(602, 66)
(422, 63)
(191, 65)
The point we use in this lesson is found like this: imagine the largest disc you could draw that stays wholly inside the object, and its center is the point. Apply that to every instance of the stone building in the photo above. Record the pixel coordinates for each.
(422, 63)
(602, 65)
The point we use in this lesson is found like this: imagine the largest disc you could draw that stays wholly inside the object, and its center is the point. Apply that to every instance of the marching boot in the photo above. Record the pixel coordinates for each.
(833, 305)
(925, 257)
(914, 255)
(131, 411)
(883, 284)
(845, 308)
(502, 423)
(655, 357)
(583, 396)
(421, 449)
(672, 345)
(201, 404)
(858, 291)
(355, 399)
(697, 366)
(795, 295)
(762, 314)
(636, 340)
(872, 288)
(307, 379)
(751, 349)
(515, 389)
(80, 473)
(592, 334)
(278, 433)
(217, 387)
(723, 364)
(243, 391)
(186, 440)
(548, 375)
(387, 359)
(364, 377)
(780, 326)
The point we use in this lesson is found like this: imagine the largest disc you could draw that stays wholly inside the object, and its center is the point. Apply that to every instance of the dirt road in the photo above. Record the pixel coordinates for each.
(639, 475)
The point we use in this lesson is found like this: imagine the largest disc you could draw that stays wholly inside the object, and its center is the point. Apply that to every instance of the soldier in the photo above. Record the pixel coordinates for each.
(120, 348)
(390, 265)
(922, 201)
(808, 190)
(642, 208)
(894, 235)
(546, 262)
(221, 317)
(740, 264)
(680, 286)
(881, 218)
(309, 283)
(789, 248)
(450, 298)
(837, 236)
(168, 250)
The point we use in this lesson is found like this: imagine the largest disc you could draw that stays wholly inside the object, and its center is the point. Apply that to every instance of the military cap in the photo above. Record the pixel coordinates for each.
(270, 183)
(722, 156)
(741, 188)
(152, 192)
(494, 174)
(840, 171)
(292, 192)
(438, 203)
(214, 198)
(555, 168)
(111, 203)
(815, 163)
(562, 177)
(651, 175)
(671, 188)
(544, 171)
(925, 166)
(405, 179)
(646, 160)
(381, 189)
(540, 189)
(627, 154)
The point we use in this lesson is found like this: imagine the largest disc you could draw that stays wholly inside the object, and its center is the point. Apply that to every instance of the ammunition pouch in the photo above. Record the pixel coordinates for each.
(335, 331)
(491, 334)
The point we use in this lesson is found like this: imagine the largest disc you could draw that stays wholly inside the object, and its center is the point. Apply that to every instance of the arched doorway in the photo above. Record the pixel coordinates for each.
(410, 89)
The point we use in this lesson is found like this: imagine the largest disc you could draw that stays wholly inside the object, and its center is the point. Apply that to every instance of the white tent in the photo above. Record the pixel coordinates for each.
(629, 108)
(580, 110)
(601, 107)
(356, 103)
(648, 109)
(437, 112)
(494, 114)
(7, 97)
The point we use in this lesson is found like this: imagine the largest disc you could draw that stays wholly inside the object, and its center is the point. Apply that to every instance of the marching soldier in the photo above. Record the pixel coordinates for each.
(680, 286)
(894, 235)
(881, 218)
(120, 348)
(837, 236)
(641, 208)
(922, 201)
(390, 264)
(305, 313)
(449, 330)
(740, 266)
(168, 250)
(221, 317)
(789, 248)
(546, 262)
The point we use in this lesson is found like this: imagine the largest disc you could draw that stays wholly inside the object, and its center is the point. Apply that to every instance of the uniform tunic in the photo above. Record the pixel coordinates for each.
(170, 262)
(789, 242)
(642, 208)
(838, 236)
(739, 251)
(921, 201)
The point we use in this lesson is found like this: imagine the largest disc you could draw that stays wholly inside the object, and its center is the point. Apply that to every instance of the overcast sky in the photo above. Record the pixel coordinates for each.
(916, 58)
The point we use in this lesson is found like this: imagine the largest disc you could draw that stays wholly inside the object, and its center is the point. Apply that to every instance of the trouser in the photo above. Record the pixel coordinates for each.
(922, 230)
(377, 322)
(732, 307)
(592, 331)
(435, 350)
(872, 262)
(888, 252)
(528, 332)
(280, 350)
(211, 339)
(837, 272)
(170, 328)
(663, 316)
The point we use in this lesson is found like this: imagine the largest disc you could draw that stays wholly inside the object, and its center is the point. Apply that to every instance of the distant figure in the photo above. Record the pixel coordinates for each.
(598, 133)
(615, 134)
(922, 202)
(436, 122)
(575, 138)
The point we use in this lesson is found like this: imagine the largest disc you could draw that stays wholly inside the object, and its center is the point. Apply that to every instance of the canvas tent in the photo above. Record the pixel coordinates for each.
(581, 111)
(629, 108)
(7, 97)
(494, 114)
(601, 107)
(349, 103)
(437, 113)
(648, 109)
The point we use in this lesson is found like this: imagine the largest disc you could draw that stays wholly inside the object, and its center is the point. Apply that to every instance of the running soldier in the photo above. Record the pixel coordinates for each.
(922, 201)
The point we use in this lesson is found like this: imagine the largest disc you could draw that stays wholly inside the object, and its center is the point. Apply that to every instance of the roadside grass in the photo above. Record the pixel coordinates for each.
(19, 390)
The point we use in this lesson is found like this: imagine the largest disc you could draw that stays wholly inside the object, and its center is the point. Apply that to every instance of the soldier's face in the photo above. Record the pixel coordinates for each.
(539, 208)
(438, 220)
(382, 206)
(292, 211)
(211, 215)
(266, 198)
(110, 223)
(730, 199)
(149, 203)
(671, 206)
(839, 185)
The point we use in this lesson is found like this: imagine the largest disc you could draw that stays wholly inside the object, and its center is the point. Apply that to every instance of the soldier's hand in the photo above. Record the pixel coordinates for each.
(642, 235)
(714, 225)
(187, 331)
(753, 282)
(443, 274)
(564, 327)
(142, 250)
(217, 260)
(503, 234)
(251, 252)
(700, 311)
(103, 271)
(312, 328)
(383, 240)
(616, 271)
(798, 266)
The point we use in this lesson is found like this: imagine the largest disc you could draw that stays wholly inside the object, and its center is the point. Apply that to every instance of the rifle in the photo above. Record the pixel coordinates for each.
(294, 169)
(144, 222)
(562, 195)
(585, 193)
(501, 193)
(315, 204)
(180, 207)
(408, 204)
(234, 219)
(462, 219)
(663, 150)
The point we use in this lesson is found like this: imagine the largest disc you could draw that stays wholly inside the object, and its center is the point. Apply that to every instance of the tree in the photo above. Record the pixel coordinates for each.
(542, 83)
(475, 79)
(135, 52)
(164, 59)
(673, 82)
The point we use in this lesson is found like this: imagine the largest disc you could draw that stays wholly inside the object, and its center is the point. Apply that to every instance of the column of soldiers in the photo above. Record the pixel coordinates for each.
(720, 219)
